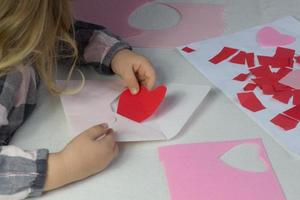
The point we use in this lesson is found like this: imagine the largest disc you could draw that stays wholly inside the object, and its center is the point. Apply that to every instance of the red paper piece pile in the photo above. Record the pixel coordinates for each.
(266, 77)
(250, 101)
(142, 105)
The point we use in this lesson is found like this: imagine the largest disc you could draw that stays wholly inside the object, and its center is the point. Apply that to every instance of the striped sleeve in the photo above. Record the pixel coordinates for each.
(22, 173)
(97, 46)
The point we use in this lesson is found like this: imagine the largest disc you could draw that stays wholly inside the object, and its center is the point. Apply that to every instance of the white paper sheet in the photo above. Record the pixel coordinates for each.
(96, 103)
(221, 75)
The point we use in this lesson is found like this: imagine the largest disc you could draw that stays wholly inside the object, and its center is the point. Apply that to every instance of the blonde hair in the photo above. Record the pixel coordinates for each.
(30, 31)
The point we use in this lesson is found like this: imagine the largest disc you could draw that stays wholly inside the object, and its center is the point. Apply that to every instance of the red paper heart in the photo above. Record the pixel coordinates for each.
(142, 105)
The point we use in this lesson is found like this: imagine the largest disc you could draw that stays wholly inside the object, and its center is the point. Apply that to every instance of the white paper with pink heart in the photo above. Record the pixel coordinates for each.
(261, 40)
(96, 103)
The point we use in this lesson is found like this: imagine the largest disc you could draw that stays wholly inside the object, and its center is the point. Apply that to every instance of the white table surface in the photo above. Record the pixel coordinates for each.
(137, 173)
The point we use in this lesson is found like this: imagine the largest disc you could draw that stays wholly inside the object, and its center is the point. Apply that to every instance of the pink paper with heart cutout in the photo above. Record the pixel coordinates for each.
(197, 171)
(270, 37)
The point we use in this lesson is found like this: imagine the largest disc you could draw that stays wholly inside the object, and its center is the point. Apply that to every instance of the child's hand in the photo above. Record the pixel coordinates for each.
(133, 69)
(87, 154)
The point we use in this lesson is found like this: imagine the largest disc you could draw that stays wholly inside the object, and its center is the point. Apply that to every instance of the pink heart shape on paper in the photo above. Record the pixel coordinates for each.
(270, 37)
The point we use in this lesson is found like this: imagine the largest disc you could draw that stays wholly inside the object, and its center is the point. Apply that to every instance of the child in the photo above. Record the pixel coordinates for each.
(34, 35)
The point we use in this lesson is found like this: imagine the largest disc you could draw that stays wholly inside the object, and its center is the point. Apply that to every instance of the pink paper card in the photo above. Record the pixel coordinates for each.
(220, 171)
(193, 26)
(112, 14)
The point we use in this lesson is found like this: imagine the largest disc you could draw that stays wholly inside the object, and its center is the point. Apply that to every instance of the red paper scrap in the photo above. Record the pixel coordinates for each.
(268, 89)
(239, 58)
(278, 87)
(297, 58)
(241, 77)
(284, 122)
(296, 97)
(250, 60)
(284, 96)
(261, 71)
(250, 101)
(225, 53)
(188, 49)
(250, 87)
(265, 60)
(284, 57)
(282, 72)
(142, 105)
(293, 112)
(262, 82)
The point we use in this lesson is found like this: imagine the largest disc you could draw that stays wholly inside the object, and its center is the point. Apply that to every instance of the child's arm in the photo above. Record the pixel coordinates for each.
(22, 173)
(28, 173)
(109, 54)
(97, 46)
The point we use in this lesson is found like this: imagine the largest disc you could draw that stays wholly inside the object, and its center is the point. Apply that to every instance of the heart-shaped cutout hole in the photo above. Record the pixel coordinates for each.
(142, 105)
(245, 157)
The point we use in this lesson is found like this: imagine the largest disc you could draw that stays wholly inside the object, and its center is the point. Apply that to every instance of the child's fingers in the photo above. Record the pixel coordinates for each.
(96, 131)
(132, 82)
(149, 75)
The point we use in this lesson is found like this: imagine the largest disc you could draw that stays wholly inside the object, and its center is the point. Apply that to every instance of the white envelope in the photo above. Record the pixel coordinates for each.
(97, 102)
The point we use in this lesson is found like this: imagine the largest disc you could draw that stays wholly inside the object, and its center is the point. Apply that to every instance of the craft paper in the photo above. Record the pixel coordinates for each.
(297, 59)
(243, 58)
(265, 60)
(225, 53)
(112, 14)
(284, 96)
(240, 58)
(97, 103)
(283, 57)
(241, 77)
(293, 112)
(142, 105)
(284, 122)
(250, 101)
(270, 37)
(199, 171)
(185, 31)
(261, 71)
(250, 59)
(187, 50)
(282, 72)
(221, 74)
(250, 87)
(296, 97)
(292, 79)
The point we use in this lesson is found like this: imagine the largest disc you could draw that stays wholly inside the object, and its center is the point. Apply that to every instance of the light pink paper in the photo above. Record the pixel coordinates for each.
(112, 14)
(198, 22)
(195, 171)
(292, 79)
(270, 37)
